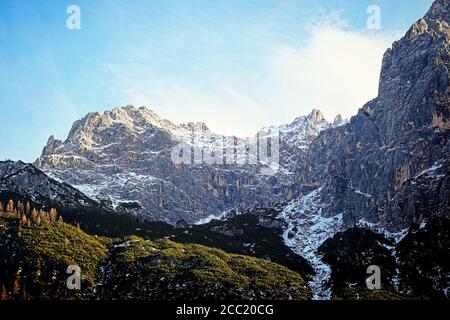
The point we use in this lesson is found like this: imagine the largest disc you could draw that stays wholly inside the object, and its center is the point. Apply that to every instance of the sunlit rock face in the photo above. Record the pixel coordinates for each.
(372, 167)
(367, 168)
(122, 158)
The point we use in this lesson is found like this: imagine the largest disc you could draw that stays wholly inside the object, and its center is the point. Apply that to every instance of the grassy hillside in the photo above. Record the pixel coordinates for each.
(242, 234)
(34, 259)
(142, 269)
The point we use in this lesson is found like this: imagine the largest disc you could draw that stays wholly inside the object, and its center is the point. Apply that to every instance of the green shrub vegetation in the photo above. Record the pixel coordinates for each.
(143, 269)
(34, 256)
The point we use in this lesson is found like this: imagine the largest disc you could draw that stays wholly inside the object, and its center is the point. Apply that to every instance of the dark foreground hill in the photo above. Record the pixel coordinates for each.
(34, 261)
(417, 266)
(242, 235)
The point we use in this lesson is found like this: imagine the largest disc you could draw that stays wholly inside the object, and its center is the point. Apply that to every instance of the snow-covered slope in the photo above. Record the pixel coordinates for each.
(122, 158)
(306, 230)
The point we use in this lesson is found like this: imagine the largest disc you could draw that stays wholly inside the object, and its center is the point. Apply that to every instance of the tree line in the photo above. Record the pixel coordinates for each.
(29, 215)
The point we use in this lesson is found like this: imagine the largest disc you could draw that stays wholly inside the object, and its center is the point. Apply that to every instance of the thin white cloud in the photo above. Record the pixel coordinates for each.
(337, 71)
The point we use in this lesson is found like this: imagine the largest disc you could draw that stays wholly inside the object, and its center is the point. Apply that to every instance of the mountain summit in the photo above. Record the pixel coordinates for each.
(122, 158)
(372, 191)
(370, 166)
(439, 11)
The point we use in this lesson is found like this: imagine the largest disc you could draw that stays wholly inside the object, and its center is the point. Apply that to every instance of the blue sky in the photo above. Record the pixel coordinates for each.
(237, 65)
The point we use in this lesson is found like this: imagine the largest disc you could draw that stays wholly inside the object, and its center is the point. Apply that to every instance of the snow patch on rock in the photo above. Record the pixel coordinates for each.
(212, 217)
(306, 230)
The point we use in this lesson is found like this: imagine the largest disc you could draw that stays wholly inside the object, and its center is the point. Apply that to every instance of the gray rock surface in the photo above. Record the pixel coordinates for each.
(365, 164)
(122, 158)
(366, 169)
(22, 181)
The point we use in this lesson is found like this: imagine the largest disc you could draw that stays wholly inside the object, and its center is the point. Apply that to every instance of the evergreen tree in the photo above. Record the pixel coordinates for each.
(53, 215)
(23, 221)
(3, 294)
(42, 216)
(10, 207)
(16, 287)
(34, 215)
(25, 295)
(20, 208)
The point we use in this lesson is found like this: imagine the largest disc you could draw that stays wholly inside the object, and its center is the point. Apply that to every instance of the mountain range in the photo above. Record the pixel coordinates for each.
(346, 194)
(123, 159)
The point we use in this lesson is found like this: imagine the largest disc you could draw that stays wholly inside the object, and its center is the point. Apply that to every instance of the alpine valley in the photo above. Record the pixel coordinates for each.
(348, 194)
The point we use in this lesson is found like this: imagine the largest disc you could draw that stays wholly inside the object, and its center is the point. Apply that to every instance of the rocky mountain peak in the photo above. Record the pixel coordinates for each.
(138, 116)
(52, 144)
(338, 120)
(416, 67)
(305, 127)
(132, 118)
(439, 10)
(123, 156)
(317, 116)
(435, 23)
(402, 132)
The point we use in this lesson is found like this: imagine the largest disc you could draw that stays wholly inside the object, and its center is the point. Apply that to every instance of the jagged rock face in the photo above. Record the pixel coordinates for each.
(404, 131)
(122, 158)
(425, 195)
(19, 180)
(424, 263)
(364, 167)
(349, 254)
(416, 264)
